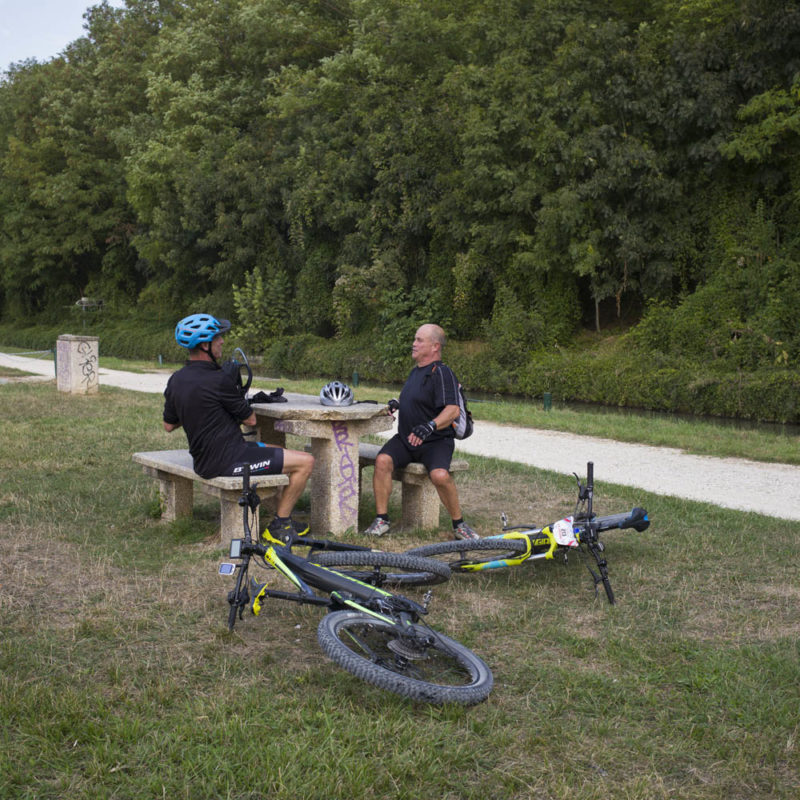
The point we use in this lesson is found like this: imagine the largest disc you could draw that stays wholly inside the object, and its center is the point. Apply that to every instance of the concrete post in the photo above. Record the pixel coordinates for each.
(77, 367)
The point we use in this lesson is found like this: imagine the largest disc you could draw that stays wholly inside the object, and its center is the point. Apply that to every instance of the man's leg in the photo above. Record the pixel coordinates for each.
(437, 458)
(297, 466)
(391, 455)
(448, 493)
(382, 482)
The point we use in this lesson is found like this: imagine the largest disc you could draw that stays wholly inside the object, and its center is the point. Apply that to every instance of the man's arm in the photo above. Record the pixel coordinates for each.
(446, 416)
(169, 427)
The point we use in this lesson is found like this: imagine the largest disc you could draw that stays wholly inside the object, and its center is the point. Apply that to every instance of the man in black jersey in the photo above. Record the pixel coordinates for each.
(205, 401)
(428, 405)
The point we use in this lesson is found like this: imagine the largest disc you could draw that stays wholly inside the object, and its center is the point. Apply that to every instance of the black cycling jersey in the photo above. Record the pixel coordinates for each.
(206, 402)
(426, 392)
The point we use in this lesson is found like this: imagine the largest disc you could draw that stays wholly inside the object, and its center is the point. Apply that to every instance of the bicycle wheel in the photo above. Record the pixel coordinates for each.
(391, 569)
(421, 664)
(460, 554)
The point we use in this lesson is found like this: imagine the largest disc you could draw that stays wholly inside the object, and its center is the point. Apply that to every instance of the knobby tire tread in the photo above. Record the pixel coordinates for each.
(473, 551)
(412, 570)
(476, 690)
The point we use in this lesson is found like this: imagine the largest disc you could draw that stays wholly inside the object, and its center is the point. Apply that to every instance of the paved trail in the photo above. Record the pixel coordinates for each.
(771, 489)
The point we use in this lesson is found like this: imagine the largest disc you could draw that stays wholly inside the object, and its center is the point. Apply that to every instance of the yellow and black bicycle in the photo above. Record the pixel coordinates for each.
(372, 633)
(579, 532)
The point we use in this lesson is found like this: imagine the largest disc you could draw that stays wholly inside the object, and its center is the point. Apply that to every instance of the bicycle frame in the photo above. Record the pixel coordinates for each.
(580, 532)
(344, 591)
(371, 632)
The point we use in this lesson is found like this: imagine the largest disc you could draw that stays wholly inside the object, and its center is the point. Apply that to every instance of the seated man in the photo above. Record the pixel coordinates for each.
(203, 399)
(428, 406)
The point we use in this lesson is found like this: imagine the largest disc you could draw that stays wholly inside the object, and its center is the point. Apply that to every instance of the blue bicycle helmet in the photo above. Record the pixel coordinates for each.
(196, 328)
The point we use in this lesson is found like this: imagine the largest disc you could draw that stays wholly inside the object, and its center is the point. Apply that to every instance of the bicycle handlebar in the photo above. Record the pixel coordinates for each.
(636, 518)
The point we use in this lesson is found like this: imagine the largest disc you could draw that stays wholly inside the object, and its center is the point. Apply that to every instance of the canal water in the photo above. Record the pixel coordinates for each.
(785, 429)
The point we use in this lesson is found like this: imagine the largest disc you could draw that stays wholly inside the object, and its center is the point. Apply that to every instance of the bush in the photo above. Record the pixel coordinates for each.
(624, 374)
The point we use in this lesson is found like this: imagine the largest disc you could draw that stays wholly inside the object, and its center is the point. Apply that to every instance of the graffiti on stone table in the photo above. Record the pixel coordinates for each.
(347, 488)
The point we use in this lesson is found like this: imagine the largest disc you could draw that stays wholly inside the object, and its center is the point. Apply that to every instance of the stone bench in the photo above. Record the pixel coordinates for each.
(174, 471)
(419, 498)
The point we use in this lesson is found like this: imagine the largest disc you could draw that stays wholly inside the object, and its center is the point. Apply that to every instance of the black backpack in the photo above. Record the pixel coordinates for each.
(233, 368)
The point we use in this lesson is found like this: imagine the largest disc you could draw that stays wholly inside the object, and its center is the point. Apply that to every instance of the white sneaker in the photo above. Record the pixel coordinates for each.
(463, 531)
(379, 527)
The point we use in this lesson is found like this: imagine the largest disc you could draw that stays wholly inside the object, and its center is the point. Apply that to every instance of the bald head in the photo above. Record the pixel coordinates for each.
(428, 343)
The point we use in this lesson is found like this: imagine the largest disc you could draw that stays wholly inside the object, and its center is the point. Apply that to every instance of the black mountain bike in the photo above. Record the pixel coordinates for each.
(579, 533)
(377, 636)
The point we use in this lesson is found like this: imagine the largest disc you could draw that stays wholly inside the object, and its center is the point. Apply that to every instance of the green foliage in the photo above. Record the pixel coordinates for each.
(627, 379)
(508, 169)
(261, 308)
(402, 314)
(744, 317)
(513, 330)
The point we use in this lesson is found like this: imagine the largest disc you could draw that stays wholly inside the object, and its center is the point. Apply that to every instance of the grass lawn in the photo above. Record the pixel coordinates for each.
(118, 677)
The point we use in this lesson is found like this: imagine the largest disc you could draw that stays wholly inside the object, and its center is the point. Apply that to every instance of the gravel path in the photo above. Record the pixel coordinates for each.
(771, 489)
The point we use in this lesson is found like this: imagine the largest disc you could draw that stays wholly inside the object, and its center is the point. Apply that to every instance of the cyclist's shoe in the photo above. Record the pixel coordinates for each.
(463, 531)
(286, 530)
(257, 590)
(378, 527)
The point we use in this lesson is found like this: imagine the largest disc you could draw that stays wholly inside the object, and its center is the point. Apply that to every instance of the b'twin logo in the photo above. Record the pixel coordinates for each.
(253, 467)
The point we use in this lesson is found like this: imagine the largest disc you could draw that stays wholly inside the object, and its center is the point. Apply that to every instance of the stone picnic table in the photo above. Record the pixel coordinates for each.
(334, 432)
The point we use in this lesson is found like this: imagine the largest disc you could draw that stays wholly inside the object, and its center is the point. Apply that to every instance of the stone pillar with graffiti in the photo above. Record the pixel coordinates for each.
(77, 370)
(335, 480)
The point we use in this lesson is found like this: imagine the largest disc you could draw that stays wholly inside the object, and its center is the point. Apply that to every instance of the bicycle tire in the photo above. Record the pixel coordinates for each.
(433, 669)
(458, 555)
(389, 569)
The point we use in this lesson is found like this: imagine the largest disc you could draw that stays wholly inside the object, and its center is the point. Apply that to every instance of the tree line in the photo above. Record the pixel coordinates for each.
(511, 168)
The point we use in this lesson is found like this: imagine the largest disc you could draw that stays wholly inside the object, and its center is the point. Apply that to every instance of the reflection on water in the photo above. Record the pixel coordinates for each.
(785, 429)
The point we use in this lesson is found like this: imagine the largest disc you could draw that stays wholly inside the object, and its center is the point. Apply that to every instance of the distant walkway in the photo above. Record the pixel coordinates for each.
(771, 489)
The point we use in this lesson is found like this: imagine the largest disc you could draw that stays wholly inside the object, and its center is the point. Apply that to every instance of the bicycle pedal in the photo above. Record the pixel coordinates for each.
(258, 590)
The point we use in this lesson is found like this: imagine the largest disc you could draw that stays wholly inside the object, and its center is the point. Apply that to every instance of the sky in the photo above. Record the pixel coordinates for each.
(40, 29)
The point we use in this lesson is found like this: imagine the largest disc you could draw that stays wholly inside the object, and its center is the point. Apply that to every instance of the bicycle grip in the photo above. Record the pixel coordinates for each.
(636, 518)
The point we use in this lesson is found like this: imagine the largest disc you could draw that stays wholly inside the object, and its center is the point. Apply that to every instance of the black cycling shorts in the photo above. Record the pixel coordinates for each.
(263, 460)
(436, 454)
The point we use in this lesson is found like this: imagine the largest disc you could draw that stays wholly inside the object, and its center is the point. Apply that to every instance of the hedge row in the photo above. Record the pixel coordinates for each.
(144, 340)
(619, 377)
(640, 381)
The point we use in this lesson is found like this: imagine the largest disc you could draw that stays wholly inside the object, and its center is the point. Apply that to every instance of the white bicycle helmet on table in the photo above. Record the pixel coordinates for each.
(336, 393)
